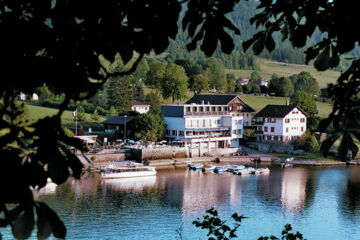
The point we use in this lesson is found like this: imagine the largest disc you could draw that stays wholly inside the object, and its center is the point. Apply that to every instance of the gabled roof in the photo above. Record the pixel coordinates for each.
(118, 120)
(137, 102)
(217, 100)
(211, 99)
(278, 111)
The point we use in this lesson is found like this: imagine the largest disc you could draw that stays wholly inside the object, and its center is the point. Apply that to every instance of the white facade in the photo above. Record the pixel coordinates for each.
(211, 125)
(140, 108)
(284, 129)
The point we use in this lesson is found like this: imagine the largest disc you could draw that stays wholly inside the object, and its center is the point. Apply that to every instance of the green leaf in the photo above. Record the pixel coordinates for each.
(57, 226)
(227, 44)
(24, 224)
(57, 167)
(270, 43)
(259, 45)
(75, 165)
(323, 60)
(43, 224)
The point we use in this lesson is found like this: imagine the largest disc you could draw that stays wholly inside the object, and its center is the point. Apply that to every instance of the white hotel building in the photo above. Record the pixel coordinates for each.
(280, 123)
(207, 121)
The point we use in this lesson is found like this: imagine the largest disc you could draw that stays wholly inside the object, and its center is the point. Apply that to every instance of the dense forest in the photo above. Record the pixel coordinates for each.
(244, 11)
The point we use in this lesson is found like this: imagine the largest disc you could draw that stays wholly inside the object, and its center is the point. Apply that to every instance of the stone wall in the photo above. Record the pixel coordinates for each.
(160, 153)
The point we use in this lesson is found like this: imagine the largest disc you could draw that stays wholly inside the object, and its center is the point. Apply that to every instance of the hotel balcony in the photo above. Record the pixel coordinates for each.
(207, 113)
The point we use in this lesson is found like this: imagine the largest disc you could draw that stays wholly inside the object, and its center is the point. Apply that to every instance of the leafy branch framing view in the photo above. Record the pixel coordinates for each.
(63, 44)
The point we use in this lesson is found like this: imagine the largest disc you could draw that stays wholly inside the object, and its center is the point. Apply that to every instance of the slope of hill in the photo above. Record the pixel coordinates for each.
(270, 67)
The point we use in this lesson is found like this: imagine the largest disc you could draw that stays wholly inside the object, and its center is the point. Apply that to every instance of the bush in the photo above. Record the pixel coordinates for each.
(311, 144)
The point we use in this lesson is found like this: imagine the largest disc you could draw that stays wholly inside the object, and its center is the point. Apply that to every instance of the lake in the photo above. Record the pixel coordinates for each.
(321, 203)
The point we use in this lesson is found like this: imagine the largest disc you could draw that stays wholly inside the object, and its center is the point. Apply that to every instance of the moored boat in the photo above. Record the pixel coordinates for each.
(130, 170)
(196, 166)
(221, 169)
(235, 167)
(208, 168)
(245, 171)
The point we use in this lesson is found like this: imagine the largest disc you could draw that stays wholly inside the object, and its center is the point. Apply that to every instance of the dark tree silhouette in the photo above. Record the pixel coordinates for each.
(65, 45)
(298, 20)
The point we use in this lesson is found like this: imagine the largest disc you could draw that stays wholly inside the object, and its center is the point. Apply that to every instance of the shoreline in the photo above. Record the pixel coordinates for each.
(183, 162)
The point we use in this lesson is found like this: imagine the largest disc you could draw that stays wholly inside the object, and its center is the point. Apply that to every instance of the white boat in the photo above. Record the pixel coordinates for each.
(245, 171)
(264, 170)
(208, 168)
(235, 167)
(130, 170)
(196, 166)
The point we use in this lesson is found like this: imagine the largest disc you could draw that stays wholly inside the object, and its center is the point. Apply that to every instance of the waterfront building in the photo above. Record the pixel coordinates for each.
(117, 124)
(207, 121)
(280, 123)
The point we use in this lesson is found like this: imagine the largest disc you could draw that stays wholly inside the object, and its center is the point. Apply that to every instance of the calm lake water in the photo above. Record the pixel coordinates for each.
(321, 203)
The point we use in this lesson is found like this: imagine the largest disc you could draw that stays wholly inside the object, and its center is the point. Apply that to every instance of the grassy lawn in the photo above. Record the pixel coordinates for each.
(269, 67)
(67, 119)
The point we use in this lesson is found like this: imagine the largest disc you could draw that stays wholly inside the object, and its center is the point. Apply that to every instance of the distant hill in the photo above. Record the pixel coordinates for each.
(268, 67)
(240, 17)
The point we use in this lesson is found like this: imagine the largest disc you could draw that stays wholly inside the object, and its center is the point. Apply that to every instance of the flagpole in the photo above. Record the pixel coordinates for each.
(76, 122)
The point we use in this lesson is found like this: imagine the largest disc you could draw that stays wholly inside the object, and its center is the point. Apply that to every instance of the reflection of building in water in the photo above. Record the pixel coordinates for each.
(135, 184)
(205, 190)
(293, 189)
(350, 200)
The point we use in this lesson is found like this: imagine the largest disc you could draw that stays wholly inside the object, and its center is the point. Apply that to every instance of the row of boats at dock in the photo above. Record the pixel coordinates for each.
(235, 169)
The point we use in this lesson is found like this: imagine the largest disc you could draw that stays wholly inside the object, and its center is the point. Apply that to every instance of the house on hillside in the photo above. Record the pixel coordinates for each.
(117, 124)
(207, 121)
(263, 82)
(280, 123)
(243, 81)
(139, 106)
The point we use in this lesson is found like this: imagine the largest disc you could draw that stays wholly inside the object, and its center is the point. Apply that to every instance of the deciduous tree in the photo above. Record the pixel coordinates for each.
(174, 82)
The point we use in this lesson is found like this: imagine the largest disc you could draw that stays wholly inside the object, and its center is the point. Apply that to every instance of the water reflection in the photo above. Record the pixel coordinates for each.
(162, 202)
(130, 184)
(293, 189)
(350, 198)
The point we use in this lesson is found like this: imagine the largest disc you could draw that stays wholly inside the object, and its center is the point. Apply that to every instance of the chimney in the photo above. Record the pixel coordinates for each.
(202, 102)
(287, 102)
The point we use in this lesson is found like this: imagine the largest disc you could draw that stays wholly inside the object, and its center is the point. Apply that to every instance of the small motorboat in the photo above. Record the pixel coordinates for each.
(264, 170)
(208, 168)
(221, 169)
(235, 167)
(245, 171)
(196, 166)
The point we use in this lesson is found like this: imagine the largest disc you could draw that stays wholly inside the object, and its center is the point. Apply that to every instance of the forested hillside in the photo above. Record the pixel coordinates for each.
(244, 11)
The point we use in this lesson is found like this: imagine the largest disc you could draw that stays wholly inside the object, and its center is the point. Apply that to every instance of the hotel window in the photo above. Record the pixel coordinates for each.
(173, 132)
(219, 109)
(194, 109)
(302, 129)
(188, 109)
(273, 120)
(201, 109)
(272, 129)
(181, 133)
(234, 131)
(208, 109)
(302, 120)
(287, 129)
(213, 109)
(287, 120)
(225, 108)
(204, 123)
(265, 129)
